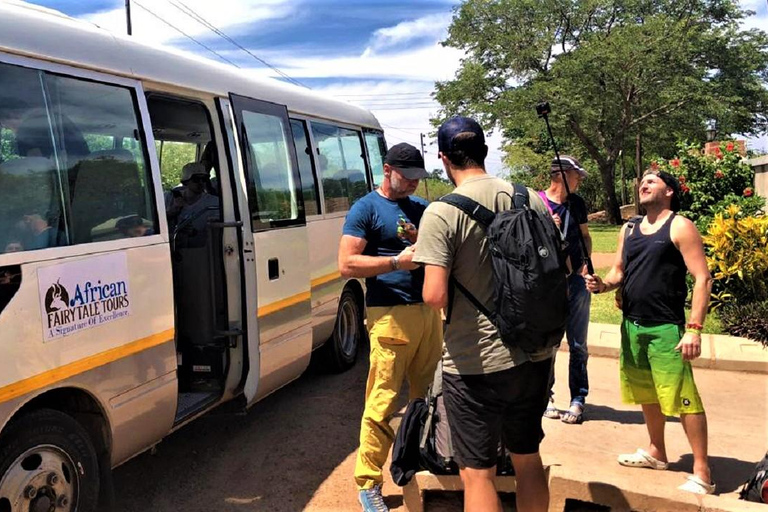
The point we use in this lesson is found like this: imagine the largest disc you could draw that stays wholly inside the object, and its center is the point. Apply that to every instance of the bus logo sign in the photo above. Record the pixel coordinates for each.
(83, 294)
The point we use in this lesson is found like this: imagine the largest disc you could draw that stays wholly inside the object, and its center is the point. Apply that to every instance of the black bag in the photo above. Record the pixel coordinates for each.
(406, 459)
(423, 440)
(753, 489)
(530, 287)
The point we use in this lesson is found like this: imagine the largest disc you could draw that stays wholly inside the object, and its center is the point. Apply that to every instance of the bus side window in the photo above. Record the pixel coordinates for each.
(342, 165)
(64, 182)
(377, 148)
(306, 167)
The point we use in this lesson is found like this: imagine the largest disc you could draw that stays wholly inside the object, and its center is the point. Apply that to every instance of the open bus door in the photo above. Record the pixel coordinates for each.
(275, 252)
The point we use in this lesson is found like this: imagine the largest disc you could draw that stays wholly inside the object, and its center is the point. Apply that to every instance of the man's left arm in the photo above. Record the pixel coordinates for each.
(688, 241)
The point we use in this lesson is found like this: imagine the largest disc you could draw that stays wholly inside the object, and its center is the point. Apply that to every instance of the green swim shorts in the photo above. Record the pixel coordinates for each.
(653, 372)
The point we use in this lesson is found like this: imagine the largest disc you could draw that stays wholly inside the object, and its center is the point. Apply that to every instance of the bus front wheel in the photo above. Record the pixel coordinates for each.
(48, 462)
(341, 348)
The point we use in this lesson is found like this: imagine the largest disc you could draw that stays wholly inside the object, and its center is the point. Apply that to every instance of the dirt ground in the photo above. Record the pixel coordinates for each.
(293, 451)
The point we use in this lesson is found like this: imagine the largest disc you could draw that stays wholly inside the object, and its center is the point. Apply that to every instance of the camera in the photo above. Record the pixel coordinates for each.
(543, 109)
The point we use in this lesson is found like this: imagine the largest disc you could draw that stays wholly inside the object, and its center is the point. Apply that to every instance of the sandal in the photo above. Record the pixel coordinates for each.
(642, 459)
(696, 485)
(574, 415)
(551, 411)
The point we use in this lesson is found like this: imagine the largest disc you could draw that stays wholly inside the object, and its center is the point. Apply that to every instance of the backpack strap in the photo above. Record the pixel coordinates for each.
(631, 223)
(482, 216)
(475, 210)
(521, 198)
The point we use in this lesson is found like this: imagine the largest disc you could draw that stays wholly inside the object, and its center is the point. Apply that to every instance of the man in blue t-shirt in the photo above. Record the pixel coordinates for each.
(406, 335)
(570, 214)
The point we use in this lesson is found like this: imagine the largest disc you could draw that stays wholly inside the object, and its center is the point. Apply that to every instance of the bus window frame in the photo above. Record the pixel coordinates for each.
(267, 108)
(152, 171)
(313, 160)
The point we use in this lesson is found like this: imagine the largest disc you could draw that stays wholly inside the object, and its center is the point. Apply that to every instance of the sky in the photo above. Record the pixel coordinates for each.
(384, 55)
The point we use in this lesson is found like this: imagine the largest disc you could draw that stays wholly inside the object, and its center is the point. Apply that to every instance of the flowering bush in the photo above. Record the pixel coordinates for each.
(711, 183)
(737, 256)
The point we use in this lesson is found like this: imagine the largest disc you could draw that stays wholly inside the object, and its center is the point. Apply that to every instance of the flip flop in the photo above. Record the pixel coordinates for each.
(551, 411)
(696, 485)
(641, 459)
(572, 417)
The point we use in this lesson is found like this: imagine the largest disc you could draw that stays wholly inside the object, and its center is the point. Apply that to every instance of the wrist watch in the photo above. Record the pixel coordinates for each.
(395, 262)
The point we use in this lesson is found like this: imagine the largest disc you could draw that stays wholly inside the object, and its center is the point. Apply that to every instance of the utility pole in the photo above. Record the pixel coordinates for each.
(423, 153)
(128, 16)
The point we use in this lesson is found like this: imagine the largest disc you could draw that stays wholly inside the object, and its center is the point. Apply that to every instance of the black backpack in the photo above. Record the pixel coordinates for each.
(406, 457)
(753, 489)
(530, 287)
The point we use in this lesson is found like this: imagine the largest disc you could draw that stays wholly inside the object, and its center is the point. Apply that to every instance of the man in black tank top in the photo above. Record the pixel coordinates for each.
(657, 345)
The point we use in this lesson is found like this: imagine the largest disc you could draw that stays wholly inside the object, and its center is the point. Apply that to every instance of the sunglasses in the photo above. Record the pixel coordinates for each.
(197, 179)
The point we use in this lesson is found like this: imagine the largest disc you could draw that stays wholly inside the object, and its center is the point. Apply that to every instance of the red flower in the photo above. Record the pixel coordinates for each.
(681, 178)
(719, 174)
(684, 189)
(729, 146)
(675, 162)
(748, 192)
(718, 153)
(654, 166)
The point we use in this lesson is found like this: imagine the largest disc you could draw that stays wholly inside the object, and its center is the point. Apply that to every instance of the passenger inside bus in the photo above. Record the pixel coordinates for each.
(191, 205)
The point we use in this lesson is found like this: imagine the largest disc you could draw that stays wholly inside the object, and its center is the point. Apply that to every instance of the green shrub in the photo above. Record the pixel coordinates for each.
(747, 320)
(711, 183)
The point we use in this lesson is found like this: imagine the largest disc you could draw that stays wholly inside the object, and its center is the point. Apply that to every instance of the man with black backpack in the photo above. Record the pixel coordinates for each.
(498, 348)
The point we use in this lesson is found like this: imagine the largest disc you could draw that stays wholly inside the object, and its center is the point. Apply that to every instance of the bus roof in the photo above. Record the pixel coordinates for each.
(37, 32)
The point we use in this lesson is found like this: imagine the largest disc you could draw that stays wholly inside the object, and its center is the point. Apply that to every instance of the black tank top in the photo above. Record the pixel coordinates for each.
(654, 277)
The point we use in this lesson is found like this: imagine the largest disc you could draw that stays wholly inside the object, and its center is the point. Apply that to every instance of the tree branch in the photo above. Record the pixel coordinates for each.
(664, 109)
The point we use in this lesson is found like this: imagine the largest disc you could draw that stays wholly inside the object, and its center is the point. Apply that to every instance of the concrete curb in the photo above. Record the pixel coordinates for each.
(573, 483)
(718, 352)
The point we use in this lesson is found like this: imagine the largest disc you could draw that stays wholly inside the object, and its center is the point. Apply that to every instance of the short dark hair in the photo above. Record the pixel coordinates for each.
(466, 152)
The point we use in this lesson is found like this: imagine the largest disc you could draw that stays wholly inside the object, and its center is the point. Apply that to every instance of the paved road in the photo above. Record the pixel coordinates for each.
(295, 450)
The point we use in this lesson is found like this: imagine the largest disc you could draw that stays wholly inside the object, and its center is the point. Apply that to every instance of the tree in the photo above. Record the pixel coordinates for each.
(611, 69)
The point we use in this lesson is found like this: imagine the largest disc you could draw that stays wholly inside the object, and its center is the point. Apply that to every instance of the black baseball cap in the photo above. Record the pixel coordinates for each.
(408, 160)
(673, 183)
(447, 135)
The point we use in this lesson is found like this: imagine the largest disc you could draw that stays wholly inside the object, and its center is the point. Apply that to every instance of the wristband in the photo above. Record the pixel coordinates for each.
(694, 326)
(693, 331)
(395, 262)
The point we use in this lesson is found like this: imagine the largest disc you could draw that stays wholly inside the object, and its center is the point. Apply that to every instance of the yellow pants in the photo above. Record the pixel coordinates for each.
(406, 342)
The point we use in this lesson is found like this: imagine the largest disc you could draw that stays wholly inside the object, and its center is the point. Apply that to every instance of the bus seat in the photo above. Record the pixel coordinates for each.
(107, 186)
(27, 186)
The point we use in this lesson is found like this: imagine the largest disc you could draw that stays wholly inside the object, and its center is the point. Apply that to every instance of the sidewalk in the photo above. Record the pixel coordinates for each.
(718, 352)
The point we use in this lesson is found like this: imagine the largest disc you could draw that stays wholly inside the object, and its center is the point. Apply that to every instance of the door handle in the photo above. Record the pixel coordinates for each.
(273, 269)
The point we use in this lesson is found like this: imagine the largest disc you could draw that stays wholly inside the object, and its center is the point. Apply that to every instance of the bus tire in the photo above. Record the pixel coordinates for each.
(348, 332)
(47, 461)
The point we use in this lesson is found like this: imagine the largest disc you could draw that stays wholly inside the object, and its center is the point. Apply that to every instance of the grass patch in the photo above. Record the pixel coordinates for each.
(605, 237)
(604, 311)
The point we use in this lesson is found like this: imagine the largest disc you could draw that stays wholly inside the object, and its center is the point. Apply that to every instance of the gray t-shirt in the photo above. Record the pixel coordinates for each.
(449, 238)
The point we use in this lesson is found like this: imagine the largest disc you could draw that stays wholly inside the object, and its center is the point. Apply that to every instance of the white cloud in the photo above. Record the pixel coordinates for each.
(433, 26)
(223, 14)
(425, 63)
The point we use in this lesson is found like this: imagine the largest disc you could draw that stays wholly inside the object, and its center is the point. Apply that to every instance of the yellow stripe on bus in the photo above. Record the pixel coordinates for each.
(325, 279)
(300, 297)
(45, 379)
(285, 303)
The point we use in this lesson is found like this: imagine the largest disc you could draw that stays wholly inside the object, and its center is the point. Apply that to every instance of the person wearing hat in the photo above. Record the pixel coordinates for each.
(406, 335)
(190, 201)
(570, 215)
(657, 344)
(492, 391)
